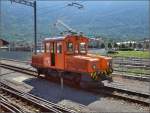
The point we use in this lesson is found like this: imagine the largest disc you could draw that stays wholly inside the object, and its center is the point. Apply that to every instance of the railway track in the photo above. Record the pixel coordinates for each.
(113, 91)
(127, 95)
(8, 107)
(19, 69)
(137, 73)
(133, 64)
(123, 65)
(16, 101)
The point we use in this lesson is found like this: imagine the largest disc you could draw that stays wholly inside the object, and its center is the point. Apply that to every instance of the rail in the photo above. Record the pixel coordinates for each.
(5, 106)
(14, 60)
(133, 96)
(27, 100)
(125, 94)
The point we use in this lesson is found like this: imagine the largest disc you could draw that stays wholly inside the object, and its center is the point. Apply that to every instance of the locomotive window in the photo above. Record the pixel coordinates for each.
(59, 47)
(52, 47)
(82, 48)
(76, 49)
(70, 47)
(47, 47)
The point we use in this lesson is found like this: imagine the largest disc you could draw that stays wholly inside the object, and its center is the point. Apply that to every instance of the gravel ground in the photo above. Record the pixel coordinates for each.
(72, 98)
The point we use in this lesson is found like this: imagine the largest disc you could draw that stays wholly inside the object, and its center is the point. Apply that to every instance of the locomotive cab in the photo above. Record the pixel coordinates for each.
(55, 50)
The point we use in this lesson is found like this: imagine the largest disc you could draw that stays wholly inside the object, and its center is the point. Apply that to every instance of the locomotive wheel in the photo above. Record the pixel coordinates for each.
(103, 76)
(77, 79)
(39, 71)
(106, 77)
(110, 79)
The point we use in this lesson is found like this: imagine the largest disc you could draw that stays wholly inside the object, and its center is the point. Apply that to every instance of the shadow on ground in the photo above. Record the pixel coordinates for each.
(53, 92)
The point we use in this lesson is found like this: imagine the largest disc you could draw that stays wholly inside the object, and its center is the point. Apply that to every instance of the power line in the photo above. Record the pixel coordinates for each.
(54, 10)
(24, 2)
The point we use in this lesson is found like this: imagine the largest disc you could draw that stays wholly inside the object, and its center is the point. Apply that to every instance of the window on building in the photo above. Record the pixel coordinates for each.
(59, 47)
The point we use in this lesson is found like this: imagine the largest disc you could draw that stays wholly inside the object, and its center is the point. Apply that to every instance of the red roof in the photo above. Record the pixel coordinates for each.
(4, 41)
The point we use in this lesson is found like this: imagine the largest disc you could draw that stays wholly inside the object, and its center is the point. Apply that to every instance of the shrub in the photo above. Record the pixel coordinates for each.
(112, 52)
(126, 49)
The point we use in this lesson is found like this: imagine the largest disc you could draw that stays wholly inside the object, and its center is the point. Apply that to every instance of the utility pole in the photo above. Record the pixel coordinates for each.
(0, 17)
(35, 30)
(33, 5)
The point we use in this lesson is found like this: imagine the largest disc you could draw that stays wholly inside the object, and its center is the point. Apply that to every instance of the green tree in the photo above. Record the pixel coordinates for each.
(115, 45)
(130, 44)
(134, 45)
(122, 46)
(147, 45)
(102, 45)
(109, 45)
(140, 45)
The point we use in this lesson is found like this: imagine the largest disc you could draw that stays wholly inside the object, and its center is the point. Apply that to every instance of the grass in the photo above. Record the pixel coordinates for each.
(136, 54)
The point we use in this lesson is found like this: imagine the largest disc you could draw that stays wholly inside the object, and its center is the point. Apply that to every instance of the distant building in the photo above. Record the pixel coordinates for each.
(21, 45)
(95, 42)
(126, 42)
(3, 43)
(137, 45)
(145, 43)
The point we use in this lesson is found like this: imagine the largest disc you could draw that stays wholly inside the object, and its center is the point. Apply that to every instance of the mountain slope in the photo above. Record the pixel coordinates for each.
(113, 19)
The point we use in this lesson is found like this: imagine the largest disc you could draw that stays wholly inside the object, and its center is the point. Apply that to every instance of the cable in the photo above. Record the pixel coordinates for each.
(50, 6)
(54, 10)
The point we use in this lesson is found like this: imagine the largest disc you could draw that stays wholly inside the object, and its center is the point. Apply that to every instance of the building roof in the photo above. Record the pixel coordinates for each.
(4, 41)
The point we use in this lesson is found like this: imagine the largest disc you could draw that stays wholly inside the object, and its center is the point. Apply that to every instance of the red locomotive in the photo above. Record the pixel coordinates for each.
(69, 54)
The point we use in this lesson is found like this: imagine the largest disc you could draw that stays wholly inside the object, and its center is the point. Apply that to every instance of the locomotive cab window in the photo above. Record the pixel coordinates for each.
(76, 49)
(82, 47)
(70, 47)
(59, 47)
(52, 47)
(47, 47)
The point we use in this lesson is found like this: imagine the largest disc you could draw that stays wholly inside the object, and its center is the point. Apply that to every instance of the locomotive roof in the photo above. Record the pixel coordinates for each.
(55, 38)
(59, 38)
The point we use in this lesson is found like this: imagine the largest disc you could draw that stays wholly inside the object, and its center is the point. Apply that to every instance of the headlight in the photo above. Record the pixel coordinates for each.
(108, 64)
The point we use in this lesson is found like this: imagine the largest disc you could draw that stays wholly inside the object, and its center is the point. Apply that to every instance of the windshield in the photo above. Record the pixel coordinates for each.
(82, 47)
(70, 47)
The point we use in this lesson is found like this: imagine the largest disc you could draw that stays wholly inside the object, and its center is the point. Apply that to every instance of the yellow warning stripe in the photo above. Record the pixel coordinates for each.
(94, 76)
